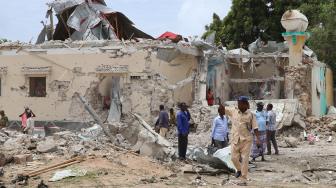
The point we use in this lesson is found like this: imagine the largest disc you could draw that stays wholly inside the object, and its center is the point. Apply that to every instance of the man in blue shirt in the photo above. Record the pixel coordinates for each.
(261, 117)
(182, 119)
(220, 129)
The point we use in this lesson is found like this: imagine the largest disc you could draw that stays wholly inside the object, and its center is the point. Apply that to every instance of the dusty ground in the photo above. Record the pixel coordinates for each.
(117, 169)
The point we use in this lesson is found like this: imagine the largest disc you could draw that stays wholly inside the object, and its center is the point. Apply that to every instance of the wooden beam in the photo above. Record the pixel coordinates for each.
(249, 80)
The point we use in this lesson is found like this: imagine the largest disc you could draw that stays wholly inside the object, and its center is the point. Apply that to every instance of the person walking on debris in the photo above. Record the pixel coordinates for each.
(182, 120)
(259, 150)
(220, 129)
(163, 121)
(271, 130)
(4, 120)
(27, 120)
(243, 122)
(210, 97)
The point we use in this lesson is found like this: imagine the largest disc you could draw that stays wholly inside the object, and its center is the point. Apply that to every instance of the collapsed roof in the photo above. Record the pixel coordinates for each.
(89, 20)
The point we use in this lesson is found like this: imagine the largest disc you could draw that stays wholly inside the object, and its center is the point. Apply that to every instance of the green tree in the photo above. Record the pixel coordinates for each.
(246, 20)
(322, 26)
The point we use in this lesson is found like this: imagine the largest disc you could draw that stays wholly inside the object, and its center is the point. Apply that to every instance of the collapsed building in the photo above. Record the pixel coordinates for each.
(97, 67)
(97, 55)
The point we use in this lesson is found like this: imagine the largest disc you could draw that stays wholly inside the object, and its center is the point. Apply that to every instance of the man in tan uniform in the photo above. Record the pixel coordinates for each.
(243, 122)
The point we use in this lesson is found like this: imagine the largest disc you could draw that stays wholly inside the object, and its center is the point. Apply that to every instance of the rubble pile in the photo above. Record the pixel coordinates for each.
(202, 117)
(323, 126)
(150, 94)
(298, 78)
(23, 148)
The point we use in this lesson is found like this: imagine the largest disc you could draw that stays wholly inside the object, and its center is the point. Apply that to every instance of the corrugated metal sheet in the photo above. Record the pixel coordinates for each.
(61, 5)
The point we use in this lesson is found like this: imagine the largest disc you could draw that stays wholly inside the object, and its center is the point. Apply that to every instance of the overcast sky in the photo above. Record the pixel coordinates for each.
(20, 19)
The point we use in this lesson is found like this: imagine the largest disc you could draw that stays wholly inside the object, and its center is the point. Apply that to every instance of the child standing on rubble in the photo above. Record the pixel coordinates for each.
(27, 121)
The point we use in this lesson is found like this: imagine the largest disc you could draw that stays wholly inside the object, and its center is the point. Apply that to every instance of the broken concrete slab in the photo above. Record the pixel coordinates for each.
(5, 159)
(291, 141)
(77, 149)
(12, 144)
(23, 159)
(47, 146)
(297, 120)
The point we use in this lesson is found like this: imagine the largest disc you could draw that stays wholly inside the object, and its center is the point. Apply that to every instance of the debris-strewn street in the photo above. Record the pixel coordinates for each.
(305, 165)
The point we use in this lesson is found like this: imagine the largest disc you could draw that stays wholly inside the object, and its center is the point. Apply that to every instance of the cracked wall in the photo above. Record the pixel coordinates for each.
(72, 71)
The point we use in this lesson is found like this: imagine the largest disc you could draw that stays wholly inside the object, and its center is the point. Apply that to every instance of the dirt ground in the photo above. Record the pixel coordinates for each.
(117, 169)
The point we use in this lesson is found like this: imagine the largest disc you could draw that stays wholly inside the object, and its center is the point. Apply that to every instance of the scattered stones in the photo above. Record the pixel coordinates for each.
(199, 181)
(149, 180)
(23, 159)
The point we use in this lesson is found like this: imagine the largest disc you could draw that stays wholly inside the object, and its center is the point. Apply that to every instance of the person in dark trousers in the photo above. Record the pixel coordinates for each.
(220, 129)
(261, 117)
(163, 121)
(182, 120)
(271, 130)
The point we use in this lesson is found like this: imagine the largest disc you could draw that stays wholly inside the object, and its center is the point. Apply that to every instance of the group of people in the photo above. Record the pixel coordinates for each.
(251, 132)
(27, 121)
(181, 120)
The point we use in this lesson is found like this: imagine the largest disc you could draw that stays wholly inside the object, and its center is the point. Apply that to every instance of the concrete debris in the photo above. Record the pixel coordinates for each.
(291, 142)
(47, 146)
(199, 181)
(225, 156)
(5, 159)
(331, 110)
(297, 120)
(59, 175)
(23, 159)
(2, 172)
(260, 46)
(92, 133)
(323, 126)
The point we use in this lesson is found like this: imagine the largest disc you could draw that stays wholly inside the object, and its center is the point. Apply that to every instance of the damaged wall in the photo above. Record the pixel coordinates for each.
(75, 70)
(262, 79)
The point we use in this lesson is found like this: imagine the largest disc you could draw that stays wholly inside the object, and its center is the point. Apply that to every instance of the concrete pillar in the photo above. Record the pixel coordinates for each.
(295, 41)
(203, 72)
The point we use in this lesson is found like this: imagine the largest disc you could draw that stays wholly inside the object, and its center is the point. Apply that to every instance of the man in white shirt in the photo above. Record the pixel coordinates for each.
(220, 129)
